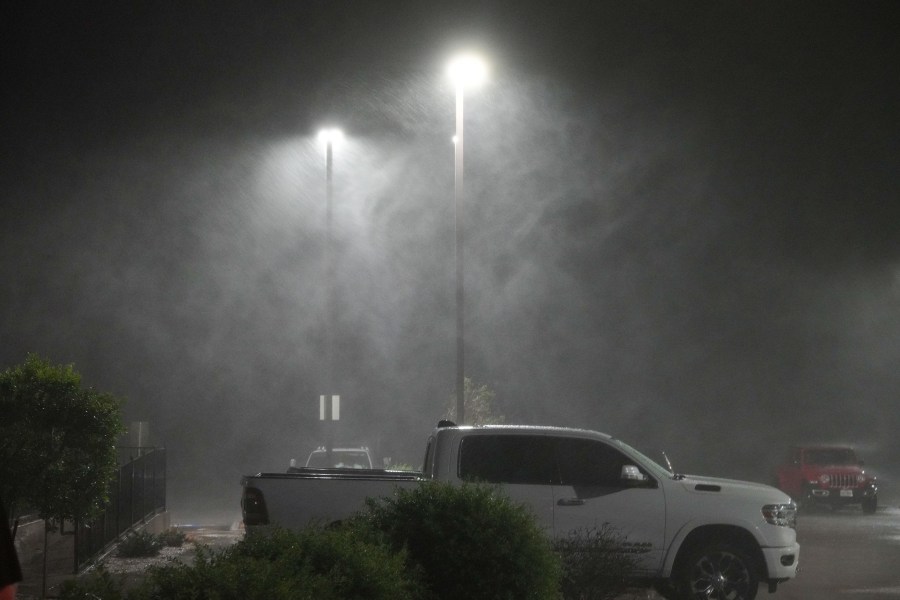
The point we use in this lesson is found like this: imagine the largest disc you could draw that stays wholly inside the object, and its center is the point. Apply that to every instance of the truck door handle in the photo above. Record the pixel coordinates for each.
(570, 502)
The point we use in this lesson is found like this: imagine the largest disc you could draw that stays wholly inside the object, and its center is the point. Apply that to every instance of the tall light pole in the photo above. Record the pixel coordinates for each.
(330, 399)
(464, 70)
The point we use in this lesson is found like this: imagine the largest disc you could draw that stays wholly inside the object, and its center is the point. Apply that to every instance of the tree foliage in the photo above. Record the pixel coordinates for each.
(57, 441)
(478, 405)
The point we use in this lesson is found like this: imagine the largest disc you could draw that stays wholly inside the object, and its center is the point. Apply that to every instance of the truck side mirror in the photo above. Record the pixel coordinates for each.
(632, 473)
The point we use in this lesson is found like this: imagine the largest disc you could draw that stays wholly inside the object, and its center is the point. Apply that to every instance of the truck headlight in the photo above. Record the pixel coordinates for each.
(782, 515)
(824, 478)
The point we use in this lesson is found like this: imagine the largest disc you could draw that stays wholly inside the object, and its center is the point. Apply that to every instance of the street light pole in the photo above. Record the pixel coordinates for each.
(329, 136)
(463, 70)
(329, 263)
(459, 197)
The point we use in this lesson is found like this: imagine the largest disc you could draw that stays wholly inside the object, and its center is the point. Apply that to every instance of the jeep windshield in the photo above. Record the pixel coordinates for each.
(831, 456)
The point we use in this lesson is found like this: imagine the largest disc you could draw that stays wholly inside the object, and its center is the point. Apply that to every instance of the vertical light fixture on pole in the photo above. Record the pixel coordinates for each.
(330, 137)
(464, 70)
(329, 411)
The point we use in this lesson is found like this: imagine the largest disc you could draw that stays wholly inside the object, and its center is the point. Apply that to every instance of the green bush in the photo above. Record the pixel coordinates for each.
(466, 541)
(172, 538)
(594, 567)
(139, 545)
(98, 585)
(314, 564)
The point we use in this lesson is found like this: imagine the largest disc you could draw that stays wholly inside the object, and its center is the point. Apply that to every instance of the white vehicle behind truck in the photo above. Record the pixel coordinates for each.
(695, 537)
(357, 457)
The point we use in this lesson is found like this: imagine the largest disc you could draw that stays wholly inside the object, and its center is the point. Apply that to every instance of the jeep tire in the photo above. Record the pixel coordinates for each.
(870, 505)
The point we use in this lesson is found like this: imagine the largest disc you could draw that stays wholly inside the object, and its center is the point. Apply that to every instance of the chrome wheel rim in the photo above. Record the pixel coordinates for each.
(720, 575)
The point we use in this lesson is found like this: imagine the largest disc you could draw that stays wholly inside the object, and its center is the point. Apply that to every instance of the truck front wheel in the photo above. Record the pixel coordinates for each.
(718, 571)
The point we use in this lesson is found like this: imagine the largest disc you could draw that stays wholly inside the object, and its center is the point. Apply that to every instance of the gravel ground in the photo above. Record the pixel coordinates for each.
(131, 569)
(214, 538)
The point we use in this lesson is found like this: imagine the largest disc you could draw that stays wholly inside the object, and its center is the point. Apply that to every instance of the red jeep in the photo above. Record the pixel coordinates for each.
(830, 475)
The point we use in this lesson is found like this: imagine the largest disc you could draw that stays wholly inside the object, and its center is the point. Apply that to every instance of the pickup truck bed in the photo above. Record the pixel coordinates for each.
(330, 494)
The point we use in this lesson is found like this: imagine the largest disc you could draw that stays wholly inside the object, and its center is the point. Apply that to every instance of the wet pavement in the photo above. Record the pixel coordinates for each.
(847, 555)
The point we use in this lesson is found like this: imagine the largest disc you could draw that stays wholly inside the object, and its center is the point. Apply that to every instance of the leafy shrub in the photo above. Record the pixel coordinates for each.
(139, 545)
(594, 567)
(99, 584)
(313, 564)
(172, 538)
(465, 541)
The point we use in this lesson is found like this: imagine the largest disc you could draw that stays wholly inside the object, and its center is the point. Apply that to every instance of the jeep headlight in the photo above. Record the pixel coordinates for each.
(824, 478)
(861, 478)
(782, 515)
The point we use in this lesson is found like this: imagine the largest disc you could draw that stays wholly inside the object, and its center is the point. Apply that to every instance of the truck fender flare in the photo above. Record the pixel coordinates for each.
(690, 527)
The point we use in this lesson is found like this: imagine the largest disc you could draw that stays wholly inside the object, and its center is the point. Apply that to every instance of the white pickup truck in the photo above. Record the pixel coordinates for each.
(695, 537)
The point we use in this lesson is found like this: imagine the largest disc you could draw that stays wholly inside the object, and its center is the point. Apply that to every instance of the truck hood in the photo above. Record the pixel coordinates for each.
(697, 484)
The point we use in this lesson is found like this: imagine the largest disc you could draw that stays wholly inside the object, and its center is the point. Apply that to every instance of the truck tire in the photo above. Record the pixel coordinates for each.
(718, 570)
(666, 590)
(870, 505)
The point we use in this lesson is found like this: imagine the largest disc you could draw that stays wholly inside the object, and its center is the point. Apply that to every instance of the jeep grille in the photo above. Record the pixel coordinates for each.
(843, 480)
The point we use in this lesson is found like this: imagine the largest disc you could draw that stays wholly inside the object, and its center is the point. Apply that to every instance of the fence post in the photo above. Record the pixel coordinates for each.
(144, 497)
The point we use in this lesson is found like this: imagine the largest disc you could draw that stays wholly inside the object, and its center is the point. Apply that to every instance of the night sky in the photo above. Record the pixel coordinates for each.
(682, 222)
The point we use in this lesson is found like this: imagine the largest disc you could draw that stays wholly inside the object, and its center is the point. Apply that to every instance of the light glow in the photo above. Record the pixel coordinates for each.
(467, 70)
(331, 135)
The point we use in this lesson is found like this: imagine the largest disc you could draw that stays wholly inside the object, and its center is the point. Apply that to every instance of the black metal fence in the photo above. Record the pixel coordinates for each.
(137, 493)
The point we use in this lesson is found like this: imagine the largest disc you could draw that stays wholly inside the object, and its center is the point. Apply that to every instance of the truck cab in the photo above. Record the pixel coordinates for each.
(675, 525)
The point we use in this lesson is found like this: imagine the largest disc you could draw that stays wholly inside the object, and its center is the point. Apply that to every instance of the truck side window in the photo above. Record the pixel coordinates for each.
(523, 459)
(589, 462)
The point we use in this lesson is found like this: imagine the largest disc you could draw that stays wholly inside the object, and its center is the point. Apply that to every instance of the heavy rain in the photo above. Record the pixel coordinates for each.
(681, 223)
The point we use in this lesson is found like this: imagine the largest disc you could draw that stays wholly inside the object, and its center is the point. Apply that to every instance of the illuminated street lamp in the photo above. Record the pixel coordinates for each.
(328, 409)
(465, 71)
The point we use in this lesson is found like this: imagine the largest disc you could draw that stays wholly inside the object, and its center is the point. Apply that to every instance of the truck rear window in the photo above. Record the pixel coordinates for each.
(524, 459)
